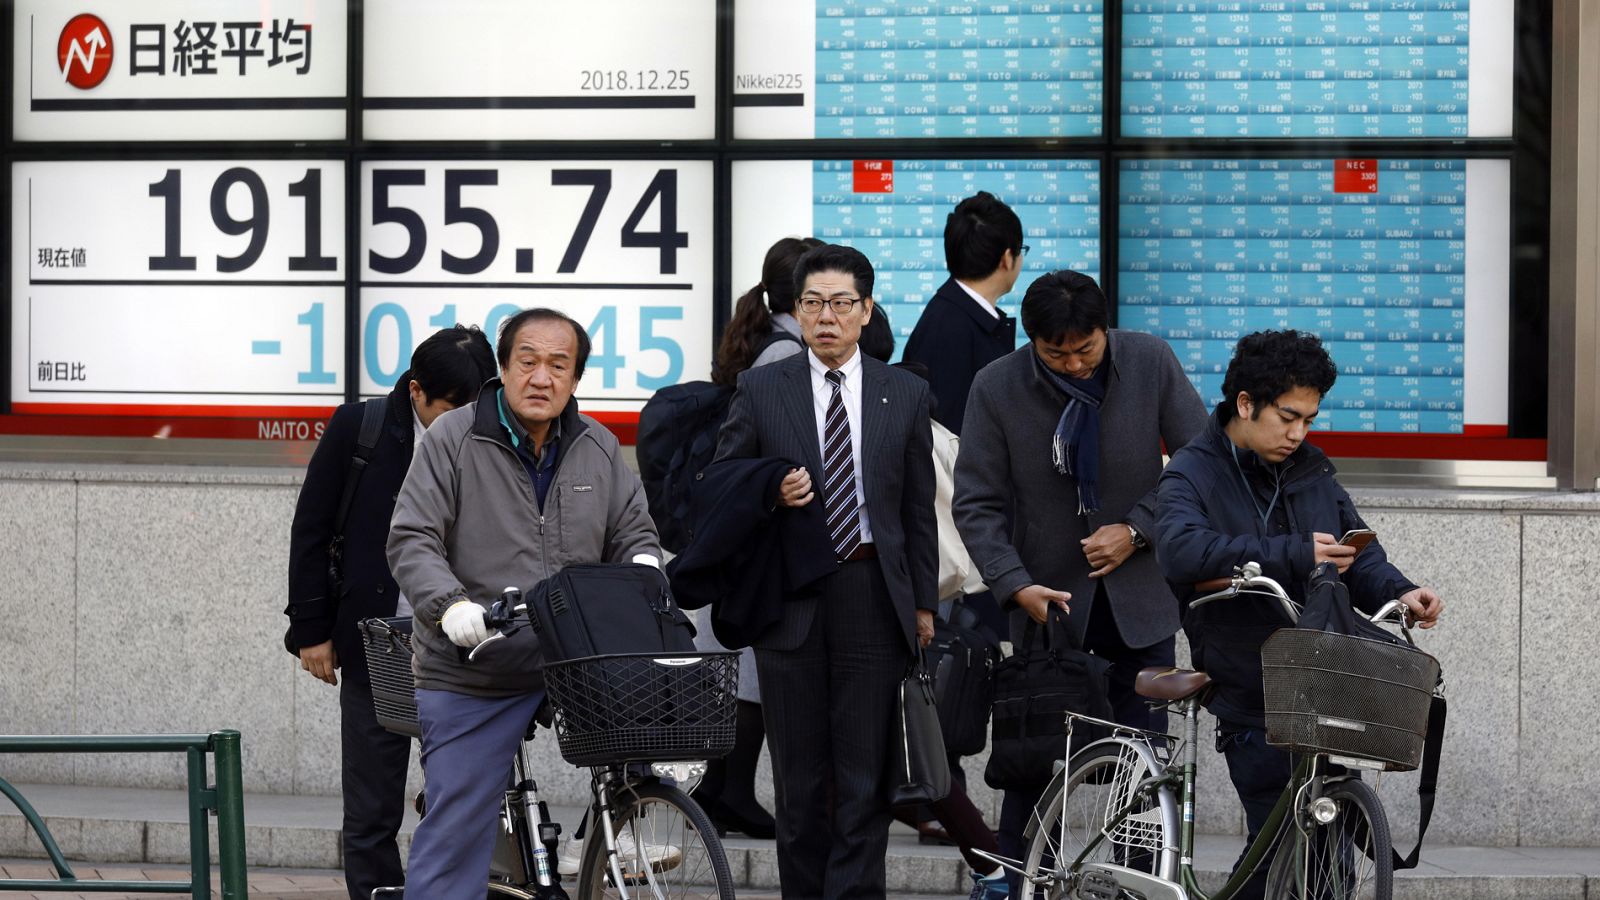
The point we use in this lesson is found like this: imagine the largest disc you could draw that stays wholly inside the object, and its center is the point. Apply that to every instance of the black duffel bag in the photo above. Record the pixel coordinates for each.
(1047, 677)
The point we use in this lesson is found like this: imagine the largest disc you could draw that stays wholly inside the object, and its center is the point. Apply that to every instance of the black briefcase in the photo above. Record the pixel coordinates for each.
(1049, 676)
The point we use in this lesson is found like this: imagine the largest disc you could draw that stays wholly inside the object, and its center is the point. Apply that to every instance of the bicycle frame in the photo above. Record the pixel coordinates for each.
(1182, 776)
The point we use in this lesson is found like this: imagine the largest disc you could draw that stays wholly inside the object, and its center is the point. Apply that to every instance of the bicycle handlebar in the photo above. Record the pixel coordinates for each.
(502, 617)
(1247, 579)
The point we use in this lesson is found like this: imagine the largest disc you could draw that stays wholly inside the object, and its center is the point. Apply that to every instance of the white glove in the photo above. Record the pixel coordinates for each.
(463, 624)
(646, 559)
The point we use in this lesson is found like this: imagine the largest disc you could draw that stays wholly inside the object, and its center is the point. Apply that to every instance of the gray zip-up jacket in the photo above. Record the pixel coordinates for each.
(467, 525)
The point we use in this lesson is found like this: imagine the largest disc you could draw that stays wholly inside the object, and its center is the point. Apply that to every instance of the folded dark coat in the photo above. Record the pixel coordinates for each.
(746, 556)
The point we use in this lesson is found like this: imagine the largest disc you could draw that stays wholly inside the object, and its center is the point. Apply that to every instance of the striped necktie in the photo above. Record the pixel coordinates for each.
(839, 502)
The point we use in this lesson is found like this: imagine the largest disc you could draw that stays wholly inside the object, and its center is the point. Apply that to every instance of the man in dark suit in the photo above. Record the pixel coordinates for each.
(962, 329)
(446, 371)
(830, 668)
(1067, 434)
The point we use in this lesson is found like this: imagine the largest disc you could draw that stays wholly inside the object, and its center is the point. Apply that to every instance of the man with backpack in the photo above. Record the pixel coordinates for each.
(338, 576)
(507, 490)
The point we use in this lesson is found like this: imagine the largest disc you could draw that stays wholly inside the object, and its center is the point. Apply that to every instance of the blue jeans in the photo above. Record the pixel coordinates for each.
(467, 748)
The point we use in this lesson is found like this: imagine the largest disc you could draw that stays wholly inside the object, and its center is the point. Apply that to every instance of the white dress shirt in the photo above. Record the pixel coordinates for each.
(981, 300)
(850, 394)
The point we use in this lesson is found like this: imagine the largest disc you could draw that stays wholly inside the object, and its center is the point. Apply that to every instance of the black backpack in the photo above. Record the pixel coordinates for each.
(960, 657)
(677, 439)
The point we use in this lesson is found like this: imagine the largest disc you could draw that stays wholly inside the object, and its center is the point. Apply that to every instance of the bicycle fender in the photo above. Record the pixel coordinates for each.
(1060, 777)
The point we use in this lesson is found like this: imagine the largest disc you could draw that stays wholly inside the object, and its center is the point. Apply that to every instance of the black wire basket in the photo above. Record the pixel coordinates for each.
(387, 644)
(1347, 696)
(644, 707)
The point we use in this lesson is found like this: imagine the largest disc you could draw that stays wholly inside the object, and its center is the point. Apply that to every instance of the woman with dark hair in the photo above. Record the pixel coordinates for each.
(763, 328)
(446, 371)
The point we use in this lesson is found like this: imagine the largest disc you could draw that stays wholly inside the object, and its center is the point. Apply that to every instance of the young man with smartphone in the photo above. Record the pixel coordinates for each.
(1251, 488)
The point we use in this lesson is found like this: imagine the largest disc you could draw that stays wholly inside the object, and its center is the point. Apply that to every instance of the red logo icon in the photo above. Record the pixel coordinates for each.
(84, 51)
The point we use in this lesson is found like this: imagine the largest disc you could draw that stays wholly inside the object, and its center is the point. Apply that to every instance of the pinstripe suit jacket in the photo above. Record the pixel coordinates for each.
(772, 415)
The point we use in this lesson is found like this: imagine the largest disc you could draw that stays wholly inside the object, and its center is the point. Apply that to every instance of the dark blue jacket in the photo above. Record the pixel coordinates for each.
(368, 588)
(747, 557)
(955, 338)
(1209, 509)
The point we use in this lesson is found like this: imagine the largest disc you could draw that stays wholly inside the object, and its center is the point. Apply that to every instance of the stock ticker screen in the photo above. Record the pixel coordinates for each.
(1372, 255)
(1316, 68)
(897, 69)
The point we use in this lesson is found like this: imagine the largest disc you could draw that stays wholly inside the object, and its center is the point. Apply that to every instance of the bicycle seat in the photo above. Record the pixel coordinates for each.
(1170, 685)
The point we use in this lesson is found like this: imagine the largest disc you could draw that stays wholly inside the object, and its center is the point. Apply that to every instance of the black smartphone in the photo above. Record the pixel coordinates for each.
(1358, 538)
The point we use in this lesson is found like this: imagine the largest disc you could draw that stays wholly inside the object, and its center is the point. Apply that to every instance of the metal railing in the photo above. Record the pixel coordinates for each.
(224, 798)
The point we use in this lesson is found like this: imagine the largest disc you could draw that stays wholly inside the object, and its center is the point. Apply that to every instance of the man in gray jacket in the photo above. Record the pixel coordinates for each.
(504, 491)
(1055, 488)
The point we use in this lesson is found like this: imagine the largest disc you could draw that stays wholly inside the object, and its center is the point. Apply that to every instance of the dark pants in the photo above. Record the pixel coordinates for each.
(1259, 773)
(467, 748)
(1101, 638)
(373, 767)
(829, 707)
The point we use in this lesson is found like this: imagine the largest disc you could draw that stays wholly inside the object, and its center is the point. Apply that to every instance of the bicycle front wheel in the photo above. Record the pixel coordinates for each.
(666, 848)
(1099, 799)
(1346, 857)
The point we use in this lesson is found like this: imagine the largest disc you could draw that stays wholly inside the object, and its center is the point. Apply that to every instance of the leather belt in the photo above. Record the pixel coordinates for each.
(862, 551)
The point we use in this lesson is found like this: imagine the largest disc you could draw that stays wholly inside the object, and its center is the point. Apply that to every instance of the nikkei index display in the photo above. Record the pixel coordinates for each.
(1401, 266)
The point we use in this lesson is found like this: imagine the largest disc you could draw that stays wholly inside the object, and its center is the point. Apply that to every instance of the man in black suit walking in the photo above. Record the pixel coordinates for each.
(963, 329)
(830, 668)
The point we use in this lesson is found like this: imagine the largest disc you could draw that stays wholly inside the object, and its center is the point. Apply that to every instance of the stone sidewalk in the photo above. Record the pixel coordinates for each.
(292, 844)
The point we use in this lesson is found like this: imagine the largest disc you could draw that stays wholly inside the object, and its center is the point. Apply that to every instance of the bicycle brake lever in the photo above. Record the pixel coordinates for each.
(497, 636)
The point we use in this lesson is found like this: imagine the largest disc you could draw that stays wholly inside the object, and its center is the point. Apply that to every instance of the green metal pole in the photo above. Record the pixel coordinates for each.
(230, 815)
(199, 830)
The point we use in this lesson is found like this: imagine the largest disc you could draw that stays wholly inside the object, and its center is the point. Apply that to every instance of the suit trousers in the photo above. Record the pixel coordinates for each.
(829, 706)
(1101, 638)
(373, 767)
(467, 748)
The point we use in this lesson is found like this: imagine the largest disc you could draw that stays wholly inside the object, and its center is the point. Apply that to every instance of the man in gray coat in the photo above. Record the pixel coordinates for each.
(507, 490)
(1055, 488)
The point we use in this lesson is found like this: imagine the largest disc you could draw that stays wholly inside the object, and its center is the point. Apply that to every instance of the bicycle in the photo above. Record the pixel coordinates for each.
(657, 841)
(1117, 822)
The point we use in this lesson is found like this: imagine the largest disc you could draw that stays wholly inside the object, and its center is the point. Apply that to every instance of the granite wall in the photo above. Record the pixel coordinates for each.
(149, 600)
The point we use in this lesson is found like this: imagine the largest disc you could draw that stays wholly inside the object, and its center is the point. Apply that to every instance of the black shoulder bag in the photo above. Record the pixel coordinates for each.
(372, 415)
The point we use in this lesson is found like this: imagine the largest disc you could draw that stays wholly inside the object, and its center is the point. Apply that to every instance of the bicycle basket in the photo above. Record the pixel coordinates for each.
(387, 645)
(1347, 696)
(651, 707)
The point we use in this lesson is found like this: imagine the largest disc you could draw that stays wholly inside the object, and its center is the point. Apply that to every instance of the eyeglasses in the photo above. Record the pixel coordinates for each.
(811, 304)
(1025, 249)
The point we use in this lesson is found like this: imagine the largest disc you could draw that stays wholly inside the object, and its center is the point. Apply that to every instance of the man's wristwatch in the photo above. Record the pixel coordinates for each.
(1139, 543)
